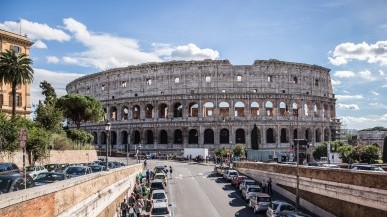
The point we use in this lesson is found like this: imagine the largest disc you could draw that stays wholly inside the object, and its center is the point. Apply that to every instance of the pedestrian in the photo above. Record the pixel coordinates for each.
(145, 165)
(138, 208)
(147, 173)
(170, 171)
(138, 188)
(165, 169)
(131, 200)
(124, 208)
(269, 190)
(131, 211)
(140, 177)
(144, 190)
(264, 186)
(190, 157)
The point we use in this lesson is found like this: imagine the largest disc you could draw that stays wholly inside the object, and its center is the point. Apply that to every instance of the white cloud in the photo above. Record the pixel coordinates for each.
(367, 75)
(375, 93)
(378, 105)
(384, 86)
(52, 59)
(346, 91)
(335, 82)
(344, 74)
(35, 31)
(39, 44)
(372, 53)
(343, 97)
(58, 80)
(348, 106)
(364, 122)
(381, 72)
(108, 51)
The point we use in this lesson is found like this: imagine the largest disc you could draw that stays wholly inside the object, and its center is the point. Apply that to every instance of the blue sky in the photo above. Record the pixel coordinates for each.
(73, 38)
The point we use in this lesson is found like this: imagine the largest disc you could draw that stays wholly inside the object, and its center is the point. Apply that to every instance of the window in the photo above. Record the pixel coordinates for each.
(88, 90)
(148, 81)
(16, 49)
(192, 91)
(283, 91)
(103, 87)
(270, 78)
(316, 82)
(19, 100)
(123, 84)
(177, 80)
(295, 80)
(1, 99)
(162, 93)
(135, 94)
(223, 91)
(255, 90)
(208, 79)
(239, 78)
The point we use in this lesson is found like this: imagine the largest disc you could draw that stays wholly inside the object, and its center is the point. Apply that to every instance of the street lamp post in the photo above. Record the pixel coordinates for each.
(298, 162)
(108, 126)
(139, 155)
(127, 151)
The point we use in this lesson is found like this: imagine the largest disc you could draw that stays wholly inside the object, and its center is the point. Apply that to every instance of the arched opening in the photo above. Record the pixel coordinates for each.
(295, 134)
(256, 139)
(315, 110)
(149, 111)
(124, 113)
(306, 110)
(269, 108)
(95, 138)
(136, 112)
(105, 117)
(326, 135)
(163, 137)
(163, 111)
(208, 109)
(103, 138)
(224, 109)
(270, 138)
(254, 109)
(240, 136)
(193, 137)
(239, 109)
(193, 109)
(136, 137)
(284, 136)
(113, 113)
(124, 137)
(113, 136)
(149, 137)
(224, 136)
(318, 135)
(178, 110)
(208, 136)
(178, 137)
(325, 111)
(283, 109)
(295, 109)
(308, 135)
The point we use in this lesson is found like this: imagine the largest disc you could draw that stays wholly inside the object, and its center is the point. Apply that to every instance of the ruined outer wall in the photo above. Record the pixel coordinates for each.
(90, 195)
(326, 192)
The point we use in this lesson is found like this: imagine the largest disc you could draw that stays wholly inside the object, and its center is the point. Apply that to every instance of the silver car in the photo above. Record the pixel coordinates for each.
(251, 191)
(260, 202)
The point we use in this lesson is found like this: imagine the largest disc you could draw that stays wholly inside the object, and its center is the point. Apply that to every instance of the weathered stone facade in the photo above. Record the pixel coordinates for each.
(172, 105)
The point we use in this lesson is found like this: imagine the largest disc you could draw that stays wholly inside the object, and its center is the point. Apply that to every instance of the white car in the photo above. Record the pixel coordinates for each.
(159, 196)
(160, 210)
(33, 171)
(260, 202)
(250, 191)
(277, 207)
(230, 174)
(245, 183)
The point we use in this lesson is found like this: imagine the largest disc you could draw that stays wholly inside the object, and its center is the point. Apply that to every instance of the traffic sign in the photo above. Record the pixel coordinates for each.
(22, 137)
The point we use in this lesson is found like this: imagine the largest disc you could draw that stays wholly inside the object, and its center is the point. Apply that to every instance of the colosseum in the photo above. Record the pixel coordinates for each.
(169, 106)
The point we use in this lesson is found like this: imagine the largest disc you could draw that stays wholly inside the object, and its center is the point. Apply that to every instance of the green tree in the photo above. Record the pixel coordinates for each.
(9, 134)
(222, 151)
(320, 151)
(38, 143)
(47, 115)
(80, 108)
(345, 152)
(239, 150)
(79, 136)
(255, 138)
(15, 69)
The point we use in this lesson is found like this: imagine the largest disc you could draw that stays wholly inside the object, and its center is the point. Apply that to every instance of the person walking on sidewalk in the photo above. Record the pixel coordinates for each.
(269, 191)
(170, 171)
(145, 165)
(124, 208)
(138, 208)
(148, 173)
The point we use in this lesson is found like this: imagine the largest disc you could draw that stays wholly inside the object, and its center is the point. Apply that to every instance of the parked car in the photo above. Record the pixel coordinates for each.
(157, 184)
(246, 182)
(158, 196)
(49, 177)
(260, 202)
(111, 165)
(159, 169)
(97, 168)
(250, 191)
(160, 210)
(287, 213)
(330, 166)
(8, 167)
(237, 179)
(75, 171)
(225, 172)
(53, 167)
(230, 174)
(277, 207)
(161, 176)
(11, 181)
(368, 168)
(33, 171)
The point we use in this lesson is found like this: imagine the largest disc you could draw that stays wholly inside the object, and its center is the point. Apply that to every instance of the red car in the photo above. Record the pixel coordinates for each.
(237, 179)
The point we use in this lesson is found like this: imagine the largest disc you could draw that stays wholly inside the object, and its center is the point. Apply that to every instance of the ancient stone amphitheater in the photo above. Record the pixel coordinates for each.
(172, 105)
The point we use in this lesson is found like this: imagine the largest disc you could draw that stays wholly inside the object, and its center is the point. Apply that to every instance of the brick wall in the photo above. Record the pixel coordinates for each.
(88, 195)
(68, 156)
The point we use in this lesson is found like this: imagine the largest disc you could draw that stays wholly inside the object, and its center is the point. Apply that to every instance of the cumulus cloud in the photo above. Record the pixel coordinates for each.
(381, 72)
(35, 31)
(107, 51)
(365, 121)
(52, 77)
(384, 86)
(344, 74)
(378, 105)
(52, 59)
(372, 53)
(348, 106)
(375, 93)
(335, 82)
(343, 97)
(39, 44)
(367, 75)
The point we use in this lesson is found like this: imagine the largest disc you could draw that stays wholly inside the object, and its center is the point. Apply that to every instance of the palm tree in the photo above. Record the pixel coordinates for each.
(15, 69)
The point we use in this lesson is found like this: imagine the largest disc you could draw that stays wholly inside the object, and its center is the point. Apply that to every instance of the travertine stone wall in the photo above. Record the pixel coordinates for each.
(211, 103)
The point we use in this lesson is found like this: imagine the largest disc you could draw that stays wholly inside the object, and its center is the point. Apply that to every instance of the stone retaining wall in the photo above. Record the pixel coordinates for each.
(96, 194)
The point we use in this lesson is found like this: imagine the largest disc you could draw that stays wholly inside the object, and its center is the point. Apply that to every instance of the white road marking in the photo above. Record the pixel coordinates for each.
(200, 174)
